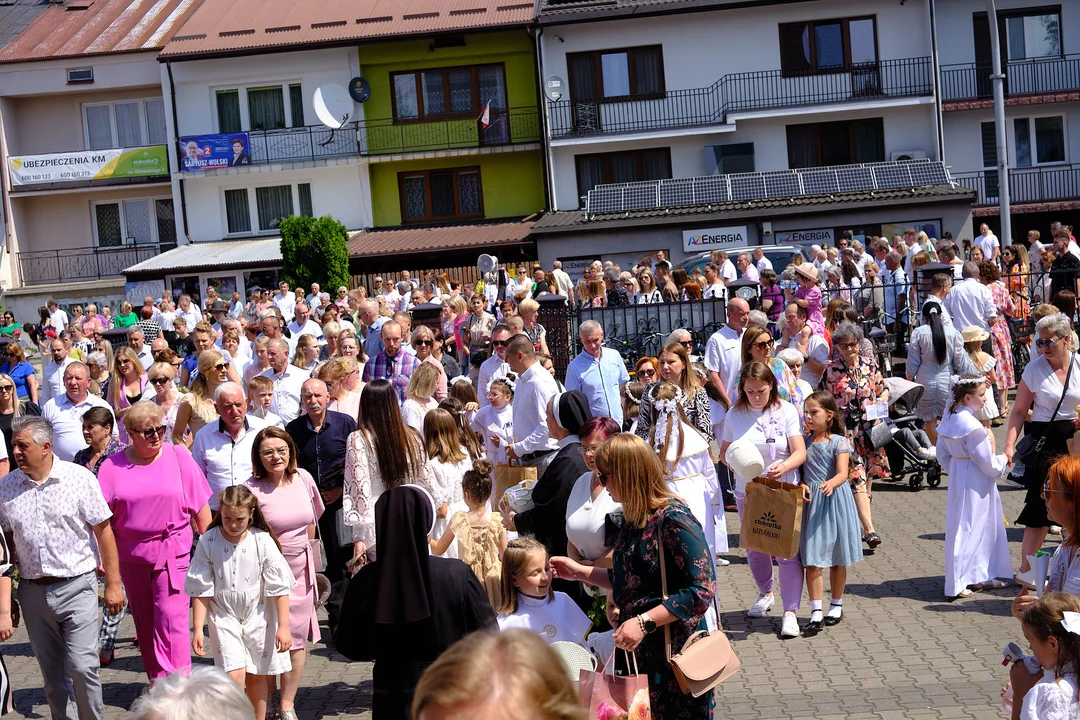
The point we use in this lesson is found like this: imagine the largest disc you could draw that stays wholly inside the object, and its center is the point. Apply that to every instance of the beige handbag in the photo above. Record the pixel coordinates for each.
(707, 659)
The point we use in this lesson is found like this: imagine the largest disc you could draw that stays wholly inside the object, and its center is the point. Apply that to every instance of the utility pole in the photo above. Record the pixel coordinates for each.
(998, 79)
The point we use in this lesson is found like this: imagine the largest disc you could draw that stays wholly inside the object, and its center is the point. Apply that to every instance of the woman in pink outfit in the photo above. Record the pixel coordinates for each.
(291, 504)
(154, 490)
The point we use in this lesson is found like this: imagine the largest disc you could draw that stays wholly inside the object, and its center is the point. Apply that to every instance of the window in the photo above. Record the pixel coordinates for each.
(304, 191)
(251, 211)
(127, 124)
(296, 104)
(1037, 35)
(989, 158)
(616, 74)
(1038, 141)
(836, 143)
(237, 213)
(448, 91)
(261, 107)
(274, 205)
(728, 159)
(621, 167)
(266, 108)
(228, 107)
(827, 45)
(134, 222)
(440, 194)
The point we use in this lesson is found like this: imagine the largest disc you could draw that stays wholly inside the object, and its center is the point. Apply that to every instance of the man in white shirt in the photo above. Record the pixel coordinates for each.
(285, 301)
(747, 268)
(970, 302)
(223, 448)
(715, 289)
(311, 298)
(940, 285)
(913, 249)
(533, 444)
(137, 342)
(861, 257)
(303, 324)
(727, 268)
(723, 360)
(65, 411)
(191, 314)
(52, 375)
(495, 366)
(760, 261)
(59, 317)
(988, 243)
(245, 351)
(287, 378)
(563, 285)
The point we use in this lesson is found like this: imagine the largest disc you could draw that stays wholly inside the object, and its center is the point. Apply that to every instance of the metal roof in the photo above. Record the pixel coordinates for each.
(406, 240)
(237, 26)
(577, 220)
(98, 27)
(223, 253)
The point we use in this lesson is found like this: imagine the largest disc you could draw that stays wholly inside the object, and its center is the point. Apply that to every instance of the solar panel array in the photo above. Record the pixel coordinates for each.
(742, 187)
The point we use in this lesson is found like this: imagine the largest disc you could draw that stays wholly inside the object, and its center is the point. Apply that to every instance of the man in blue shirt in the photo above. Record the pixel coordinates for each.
(896, 291)
(599, 372)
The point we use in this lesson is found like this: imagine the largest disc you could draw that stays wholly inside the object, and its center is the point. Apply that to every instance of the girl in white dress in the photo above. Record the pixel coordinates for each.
(420, 396)
(242, 581)
(449, 461)
(1052, 627)
(976, 548)
(984, 363)
(495, 421)
(529, 603)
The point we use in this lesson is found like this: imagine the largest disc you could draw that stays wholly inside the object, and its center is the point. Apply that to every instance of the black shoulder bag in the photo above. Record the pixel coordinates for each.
(1031, 445)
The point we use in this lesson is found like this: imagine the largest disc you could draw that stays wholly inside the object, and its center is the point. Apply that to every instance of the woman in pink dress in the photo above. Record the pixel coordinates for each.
(291, 504)
(154, 490)
(1000, 335)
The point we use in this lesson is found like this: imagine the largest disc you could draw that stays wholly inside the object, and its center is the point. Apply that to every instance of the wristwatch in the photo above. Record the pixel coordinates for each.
(647, 623)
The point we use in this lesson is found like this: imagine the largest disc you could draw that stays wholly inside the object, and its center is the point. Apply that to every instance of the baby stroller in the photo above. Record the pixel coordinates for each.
(911, 457)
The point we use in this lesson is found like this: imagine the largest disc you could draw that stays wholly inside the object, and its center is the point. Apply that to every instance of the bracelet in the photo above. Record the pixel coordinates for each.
(641, 624)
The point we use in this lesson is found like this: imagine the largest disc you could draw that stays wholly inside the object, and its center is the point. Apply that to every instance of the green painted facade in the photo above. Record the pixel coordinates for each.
(512, 181)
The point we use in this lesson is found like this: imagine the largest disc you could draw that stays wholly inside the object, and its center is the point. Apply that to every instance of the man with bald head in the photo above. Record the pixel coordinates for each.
(723, 360)
(371, 323)
(223, 448)
(393, 363)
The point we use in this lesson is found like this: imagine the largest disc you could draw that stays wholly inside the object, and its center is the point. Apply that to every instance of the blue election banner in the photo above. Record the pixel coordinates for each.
(210, 152)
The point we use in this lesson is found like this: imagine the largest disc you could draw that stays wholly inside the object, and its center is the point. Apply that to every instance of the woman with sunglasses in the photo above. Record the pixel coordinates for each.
(649, 294)
(162, 377)
(21, 373)
(11, 407)
(197, 407)
(647, 370)
(155, 490)
(423, 342)
(126, 386)
(1046, 383)
(758, 344)
(343, 385)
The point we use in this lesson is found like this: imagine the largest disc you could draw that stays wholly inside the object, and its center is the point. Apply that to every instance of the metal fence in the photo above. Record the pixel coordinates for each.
(57, 266)
(971, 81)
(1026, 185)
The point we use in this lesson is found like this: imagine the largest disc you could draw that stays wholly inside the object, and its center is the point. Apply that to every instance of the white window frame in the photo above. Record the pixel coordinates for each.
(156, 239)
(144, 134)
(1034, 141)
(253, 208)
(245, 110)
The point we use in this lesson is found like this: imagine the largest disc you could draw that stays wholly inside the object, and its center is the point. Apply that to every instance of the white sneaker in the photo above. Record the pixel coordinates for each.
(1025, 578)
(763, 605)
(790, 628)
(721, 562)
(926, 454)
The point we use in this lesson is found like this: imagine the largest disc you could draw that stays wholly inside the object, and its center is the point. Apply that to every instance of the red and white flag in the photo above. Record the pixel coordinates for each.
(485, 116)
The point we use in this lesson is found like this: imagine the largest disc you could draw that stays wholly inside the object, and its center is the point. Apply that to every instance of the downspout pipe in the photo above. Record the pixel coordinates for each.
(541, 101)
(176, 145)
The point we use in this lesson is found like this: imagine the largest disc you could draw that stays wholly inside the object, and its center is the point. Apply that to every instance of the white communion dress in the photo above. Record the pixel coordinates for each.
(693, 478)
(238, 578)
(976, 547)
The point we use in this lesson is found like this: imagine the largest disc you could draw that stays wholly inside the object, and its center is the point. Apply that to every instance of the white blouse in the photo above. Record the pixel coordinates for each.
(1051, 699)
(585, 517)
(554, 620)
(769, 432)
(1046, 387)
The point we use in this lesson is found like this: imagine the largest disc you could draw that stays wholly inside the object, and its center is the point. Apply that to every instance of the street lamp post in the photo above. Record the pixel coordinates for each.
(998, 79)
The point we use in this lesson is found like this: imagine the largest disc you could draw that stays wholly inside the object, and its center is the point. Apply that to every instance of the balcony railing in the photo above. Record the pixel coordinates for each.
(384, 136)
(971, 81)
(743, 92)
(1026, 185)
(80, 264)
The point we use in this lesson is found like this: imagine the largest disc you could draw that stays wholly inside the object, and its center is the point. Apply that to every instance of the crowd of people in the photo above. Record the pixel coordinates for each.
(241, 469)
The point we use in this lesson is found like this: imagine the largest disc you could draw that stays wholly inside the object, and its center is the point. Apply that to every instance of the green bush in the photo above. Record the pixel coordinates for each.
(315, 250)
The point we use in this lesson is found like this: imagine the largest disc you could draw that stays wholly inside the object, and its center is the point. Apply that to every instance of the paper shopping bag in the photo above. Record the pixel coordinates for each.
(614, 697)
(772, 518)
(506, 476)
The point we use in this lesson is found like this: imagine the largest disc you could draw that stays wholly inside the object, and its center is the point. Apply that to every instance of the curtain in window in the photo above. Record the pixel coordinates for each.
(861, 37)
(1050, 139)
(109, 233)
(648, 71)
(166, 221)
(656, 164)
(273, 204)
(98, 127)
(835, 141)
(469, 190)
(461, 91)
(1022, 136)
(590, 173)
(266, 108)
(989, 144)
(228, 111)
(304, 190)
(237, 211)
(492, 82)
(434, 97)
(137, 222)
(442, 194)
(801, 146)
(829, 44)
(128, 126)
(582, 77)
(623, 167)
(415, 190)
(736, 158)
(296, 105)
(155, 123)
(869, 142)
(405, 96)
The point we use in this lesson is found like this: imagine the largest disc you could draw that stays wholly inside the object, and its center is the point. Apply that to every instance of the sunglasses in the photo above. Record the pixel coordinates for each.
(160, 381)
(151, 433)
(646, 372)
(6, 388)
(687, 343)
(499, 343)
(424, 343)
(764, 344)
(220, 366)
(1047, 343)
(602, 477)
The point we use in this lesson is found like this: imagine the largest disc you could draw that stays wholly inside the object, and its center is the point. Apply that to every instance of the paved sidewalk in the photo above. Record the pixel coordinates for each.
(902, 651)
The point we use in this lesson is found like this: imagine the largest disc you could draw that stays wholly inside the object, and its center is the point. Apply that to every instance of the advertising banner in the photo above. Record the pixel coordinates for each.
(706, 239)
(89, 165)
(211, 152)
(805, 237)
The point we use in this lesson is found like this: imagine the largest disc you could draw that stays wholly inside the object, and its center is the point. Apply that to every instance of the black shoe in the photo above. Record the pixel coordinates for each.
(812, 628)
(830, 621)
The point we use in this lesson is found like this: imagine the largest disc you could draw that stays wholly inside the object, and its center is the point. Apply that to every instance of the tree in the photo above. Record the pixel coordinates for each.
(315, 250)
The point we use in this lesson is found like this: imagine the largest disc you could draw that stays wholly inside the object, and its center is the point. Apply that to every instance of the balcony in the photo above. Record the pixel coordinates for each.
(387, 136)
(971, 81)
(83, 264)
(743, 92)
(89, 168)
(1026, 185)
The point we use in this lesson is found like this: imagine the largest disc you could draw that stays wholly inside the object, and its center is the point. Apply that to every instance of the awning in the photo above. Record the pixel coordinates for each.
(407, 241)
(213, 255)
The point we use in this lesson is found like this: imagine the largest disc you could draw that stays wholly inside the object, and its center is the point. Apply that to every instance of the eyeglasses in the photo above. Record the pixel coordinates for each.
(280, 452)
(602, 476)
(1046, 343)
(151, 433)
(764, 344)
(646, 372)
(6, 388)
(848, 345)
(221, 366)
(160, 381)
(424, 343)
(499, 343)
(687, 343)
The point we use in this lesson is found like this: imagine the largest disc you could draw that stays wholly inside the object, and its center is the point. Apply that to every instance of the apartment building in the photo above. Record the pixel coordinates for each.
(763, 95)
(85, 184)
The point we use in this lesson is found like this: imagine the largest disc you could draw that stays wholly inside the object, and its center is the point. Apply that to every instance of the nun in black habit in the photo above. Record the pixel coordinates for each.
(403, 610)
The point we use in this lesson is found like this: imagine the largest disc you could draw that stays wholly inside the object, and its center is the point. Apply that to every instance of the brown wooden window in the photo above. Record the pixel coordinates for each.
(447, 92)
(619, 167)
(627, 73)
(429, 195)
(828, 45)
(836, 143)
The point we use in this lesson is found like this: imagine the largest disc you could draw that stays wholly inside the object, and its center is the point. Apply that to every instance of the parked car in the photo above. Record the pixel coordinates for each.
(779, 255)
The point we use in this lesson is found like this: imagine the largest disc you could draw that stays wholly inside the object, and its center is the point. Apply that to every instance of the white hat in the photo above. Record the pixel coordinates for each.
(745, 459)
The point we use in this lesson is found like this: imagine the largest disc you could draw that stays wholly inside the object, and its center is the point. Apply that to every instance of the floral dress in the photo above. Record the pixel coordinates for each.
(691, 581)
(855, 388)
(1000, 335)
(1016, 282)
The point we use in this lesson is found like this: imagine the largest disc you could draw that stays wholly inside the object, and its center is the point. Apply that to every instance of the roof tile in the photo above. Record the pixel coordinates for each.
(447, 237)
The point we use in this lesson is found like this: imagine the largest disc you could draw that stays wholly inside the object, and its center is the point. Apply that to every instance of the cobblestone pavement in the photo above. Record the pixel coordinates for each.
(902, 651)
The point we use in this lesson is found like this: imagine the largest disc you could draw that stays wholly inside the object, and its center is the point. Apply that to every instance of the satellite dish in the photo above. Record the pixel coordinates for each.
(333, 106)
(359, 89)
(554, 88)
(487, 263)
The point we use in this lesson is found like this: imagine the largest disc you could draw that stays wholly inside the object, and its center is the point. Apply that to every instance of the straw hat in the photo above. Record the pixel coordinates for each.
(808, 271)
(745, 459)
(974, 333)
